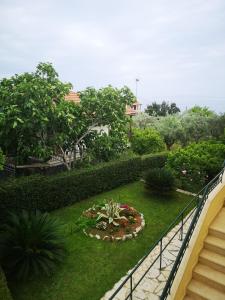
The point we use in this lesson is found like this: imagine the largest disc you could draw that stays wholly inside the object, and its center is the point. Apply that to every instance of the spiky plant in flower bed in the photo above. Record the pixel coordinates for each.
(111, 212)
(31, 244)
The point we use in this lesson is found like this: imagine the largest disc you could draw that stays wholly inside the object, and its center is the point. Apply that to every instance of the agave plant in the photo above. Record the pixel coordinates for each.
(111, 212)
(30, 244)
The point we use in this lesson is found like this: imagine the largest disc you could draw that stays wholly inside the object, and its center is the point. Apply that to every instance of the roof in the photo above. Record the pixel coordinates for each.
(72, 96)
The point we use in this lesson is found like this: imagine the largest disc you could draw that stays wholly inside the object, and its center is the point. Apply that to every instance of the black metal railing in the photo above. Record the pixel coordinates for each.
(192, 209)
(206, 191)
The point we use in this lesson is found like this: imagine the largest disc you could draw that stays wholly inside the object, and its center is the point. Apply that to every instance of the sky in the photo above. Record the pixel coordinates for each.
(176, 48)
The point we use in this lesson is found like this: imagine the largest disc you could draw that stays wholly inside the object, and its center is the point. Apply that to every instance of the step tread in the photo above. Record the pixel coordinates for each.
(210, 274)
(213, 257)
(219, 223)
(215, 241)
(205, 291)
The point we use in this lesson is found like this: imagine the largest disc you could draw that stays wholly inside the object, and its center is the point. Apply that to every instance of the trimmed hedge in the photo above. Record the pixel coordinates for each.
(4, 290)
(47, 193)
(157, 160)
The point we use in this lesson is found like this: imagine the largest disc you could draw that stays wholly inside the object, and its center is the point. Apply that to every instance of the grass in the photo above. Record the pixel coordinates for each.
(92, 266)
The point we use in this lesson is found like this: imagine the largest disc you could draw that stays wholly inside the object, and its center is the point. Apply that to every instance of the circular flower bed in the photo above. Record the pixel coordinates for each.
(113, 221)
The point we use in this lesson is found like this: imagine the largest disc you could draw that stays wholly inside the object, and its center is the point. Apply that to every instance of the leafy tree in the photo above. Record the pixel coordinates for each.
(142, 120)
(170, 129)
(27, 107)
(203, 111)
(196, 126)
(162, 110)
(217, 126)
(147, 140)
(104, 147)
(197, 163)
(35, 119)
(101, 107)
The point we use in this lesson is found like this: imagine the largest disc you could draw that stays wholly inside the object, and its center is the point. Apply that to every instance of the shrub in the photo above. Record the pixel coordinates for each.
(30, 244)
(160, 180)
(47, 193)
(197, 163)
(147, 140)
(156, 160)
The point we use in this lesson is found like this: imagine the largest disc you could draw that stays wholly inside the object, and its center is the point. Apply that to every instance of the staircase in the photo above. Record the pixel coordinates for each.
(208, 278)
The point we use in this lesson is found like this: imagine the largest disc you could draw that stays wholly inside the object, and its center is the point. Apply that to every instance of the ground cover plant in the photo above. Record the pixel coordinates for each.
(92, 266)
(112, 221)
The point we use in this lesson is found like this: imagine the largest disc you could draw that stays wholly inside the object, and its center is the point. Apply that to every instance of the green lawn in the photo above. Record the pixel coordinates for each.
(92, 266)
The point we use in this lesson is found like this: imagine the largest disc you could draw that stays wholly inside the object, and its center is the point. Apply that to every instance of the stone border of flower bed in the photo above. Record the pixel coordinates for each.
(123, 238)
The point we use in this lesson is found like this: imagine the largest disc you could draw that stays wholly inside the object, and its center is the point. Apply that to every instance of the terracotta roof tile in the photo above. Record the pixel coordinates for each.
(72, 96)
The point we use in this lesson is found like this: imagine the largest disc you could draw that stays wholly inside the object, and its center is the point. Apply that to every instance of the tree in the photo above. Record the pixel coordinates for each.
(162, 110)
(142, 120)
(170, 129)
(203, 111)
(27, 109)
(196, 126)
(101, 107)
(35, 119)
(104, 147)
(147, 140)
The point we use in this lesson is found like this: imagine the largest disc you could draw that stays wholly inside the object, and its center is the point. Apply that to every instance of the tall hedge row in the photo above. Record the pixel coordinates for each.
(51, 192)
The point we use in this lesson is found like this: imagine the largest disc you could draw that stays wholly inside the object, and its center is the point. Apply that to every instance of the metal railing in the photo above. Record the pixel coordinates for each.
(206, 191)
(191, 210)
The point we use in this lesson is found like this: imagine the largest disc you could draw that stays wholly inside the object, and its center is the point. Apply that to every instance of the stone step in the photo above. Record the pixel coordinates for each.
(217, 228)
(215, 244)
(200, 291)
(209, 276)
(214, 260)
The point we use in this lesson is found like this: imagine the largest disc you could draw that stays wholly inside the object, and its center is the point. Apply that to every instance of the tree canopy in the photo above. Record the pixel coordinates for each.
(146, 141)
(162, 110)
(36, 120)
(27, 107)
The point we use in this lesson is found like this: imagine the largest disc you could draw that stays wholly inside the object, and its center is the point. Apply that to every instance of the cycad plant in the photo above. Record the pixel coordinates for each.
(31, 244)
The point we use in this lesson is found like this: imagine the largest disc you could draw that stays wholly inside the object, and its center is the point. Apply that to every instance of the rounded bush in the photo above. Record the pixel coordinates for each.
(30, 244)
(144, 141)
(160, 180)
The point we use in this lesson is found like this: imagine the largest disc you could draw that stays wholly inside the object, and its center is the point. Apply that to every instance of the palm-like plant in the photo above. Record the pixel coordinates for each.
(31, 244)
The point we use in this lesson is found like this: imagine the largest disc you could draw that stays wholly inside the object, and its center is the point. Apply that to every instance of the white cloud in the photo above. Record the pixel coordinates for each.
(176, 47)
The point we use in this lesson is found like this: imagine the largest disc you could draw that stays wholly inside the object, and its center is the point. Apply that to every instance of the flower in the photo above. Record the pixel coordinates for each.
(125, 206)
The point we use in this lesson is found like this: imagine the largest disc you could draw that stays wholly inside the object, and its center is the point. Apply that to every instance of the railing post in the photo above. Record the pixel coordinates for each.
(182, 227)
(131, 287)
(160, 258)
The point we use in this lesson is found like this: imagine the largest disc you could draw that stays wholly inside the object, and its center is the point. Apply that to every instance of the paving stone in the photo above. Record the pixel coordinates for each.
(153, 273)
(139, 294)
(159, 288)
(151, 287)
(151, 296)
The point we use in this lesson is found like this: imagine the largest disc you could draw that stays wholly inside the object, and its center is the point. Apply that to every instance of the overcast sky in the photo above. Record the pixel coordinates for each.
(175, 47)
